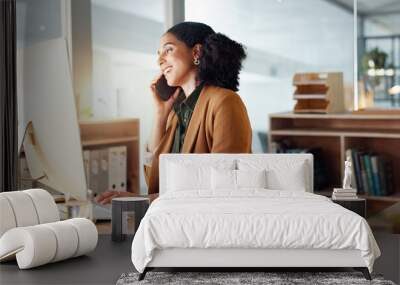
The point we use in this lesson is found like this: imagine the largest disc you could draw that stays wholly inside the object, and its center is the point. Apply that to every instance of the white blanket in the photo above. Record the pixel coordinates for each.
(250, 218)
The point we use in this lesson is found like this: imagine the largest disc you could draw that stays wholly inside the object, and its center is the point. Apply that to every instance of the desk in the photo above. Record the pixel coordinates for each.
(103, 227)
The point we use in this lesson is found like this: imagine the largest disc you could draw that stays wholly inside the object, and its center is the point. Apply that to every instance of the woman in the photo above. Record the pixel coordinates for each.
(204, 115)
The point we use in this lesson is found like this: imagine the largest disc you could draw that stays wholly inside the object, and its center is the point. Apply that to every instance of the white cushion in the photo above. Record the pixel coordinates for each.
(45, 206)
(87, 235)
(251, 178)
(300, 178)
(223, 179)
(237, 179)
(184, 175)
(23, 208)
(32, 246)
(276, 179)
(26, 208)
(284, 174)
(40, 244)
(7, 218)
(67, 240)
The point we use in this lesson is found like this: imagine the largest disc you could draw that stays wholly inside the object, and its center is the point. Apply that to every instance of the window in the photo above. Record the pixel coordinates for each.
(379, 53)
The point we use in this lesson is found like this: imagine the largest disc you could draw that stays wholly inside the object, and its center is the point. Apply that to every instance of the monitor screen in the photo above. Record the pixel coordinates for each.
(50, 105)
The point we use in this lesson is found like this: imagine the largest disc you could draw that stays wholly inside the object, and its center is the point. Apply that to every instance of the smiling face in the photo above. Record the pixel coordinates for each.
(176, 60)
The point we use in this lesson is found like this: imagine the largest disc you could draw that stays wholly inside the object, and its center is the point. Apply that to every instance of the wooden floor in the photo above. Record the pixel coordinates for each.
(389, 262)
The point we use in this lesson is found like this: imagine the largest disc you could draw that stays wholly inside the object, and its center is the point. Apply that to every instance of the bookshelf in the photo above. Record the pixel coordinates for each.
(333, 134)
(106, 133)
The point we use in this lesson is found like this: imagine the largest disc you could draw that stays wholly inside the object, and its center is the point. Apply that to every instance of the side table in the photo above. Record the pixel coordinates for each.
(123, 208)
(358, 206)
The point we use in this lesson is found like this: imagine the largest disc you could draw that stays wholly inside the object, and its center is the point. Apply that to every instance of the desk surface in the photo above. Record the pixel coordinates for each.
(103, 227)
(102, 266)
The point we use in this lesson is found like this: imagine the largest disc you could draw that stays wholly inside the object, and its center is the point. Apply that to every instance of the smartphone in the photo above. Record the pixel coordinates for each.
(164, 91)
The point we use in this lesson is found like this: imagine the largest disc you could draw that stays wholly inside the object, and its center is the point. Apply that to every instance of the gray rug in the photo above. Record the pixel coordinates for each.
(228, 278)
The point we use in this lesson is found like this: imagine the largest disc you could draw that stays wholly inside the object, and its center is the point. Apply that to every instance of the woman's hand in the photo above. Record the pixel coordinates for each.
(107, 196)
(163, 108)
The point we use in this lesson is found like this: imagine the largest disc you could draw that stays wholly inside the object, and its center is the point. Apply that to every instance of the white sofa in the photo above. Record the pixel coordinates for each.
(152, 247)
(31, 231)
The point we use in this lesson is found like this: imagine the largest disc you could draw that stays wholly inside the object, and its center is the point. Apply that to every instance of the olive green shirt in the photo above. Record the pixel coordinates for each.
(183, 108)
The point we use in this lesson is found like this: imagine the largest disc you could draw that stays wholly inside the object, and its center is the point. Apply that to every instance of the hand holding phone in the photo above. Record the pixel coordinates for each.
(164, 91)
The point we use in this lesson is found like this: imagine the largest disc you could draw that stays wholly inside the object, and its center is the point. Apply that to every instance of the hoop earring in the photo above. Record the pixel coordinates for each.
(196, 61)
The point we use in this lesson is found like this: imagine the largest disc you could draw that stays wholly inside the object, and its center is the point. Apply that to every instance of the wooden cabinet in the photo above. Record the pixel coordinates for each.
(358, 206)
(106, 133)
(333, 134)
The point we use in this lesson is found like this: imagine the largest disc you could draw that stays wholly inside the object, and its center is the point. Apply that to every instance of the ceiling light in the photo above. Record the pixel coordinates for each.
(389, 72)
(394, 90)
(371, 63)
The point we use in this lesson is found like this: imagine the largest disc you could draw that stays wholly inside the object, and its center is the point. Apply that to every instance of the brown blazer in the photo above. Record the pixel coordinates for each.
(219, 124)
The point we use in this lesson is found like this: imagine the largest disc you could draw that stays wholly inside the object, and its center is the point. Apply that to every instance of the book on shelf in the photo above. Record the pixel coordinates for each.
(344, 194)
(357, 170)
(337, 194)
(336, 197)
(345, 191)
(373, 173)
(388, 171)
(363, 173)
(368, 170)
(383, 176)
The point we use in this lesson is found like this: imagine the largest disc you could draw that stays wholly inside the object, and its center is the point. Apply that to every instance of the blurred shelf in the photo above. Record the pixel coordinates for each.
(333, 133)
(391, 198)
(100, 134)
(364, 115)
(99, 142)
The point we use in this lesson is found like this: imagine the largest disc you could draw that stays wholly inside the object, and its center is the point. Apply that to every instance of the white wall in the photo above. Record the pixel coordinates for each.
(125, 41)
(282, 38)
(33, 25)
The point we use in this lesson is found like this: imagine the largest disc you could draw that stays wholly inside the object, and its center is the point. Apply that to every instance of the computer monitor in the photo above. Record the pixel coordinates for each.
(49, 103)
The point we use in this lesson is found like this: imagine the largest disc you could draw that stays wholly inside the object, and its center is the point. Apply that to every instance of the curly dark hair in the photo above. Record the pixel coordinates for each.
(220, 57)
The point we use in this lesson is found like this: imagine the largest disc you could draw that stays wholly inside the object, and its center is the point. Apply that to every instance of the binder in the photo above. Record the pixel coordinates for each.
(86, 165)
(103, 170)
(94, 170)
(122, 168)
(113, 168)
(117, 177)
